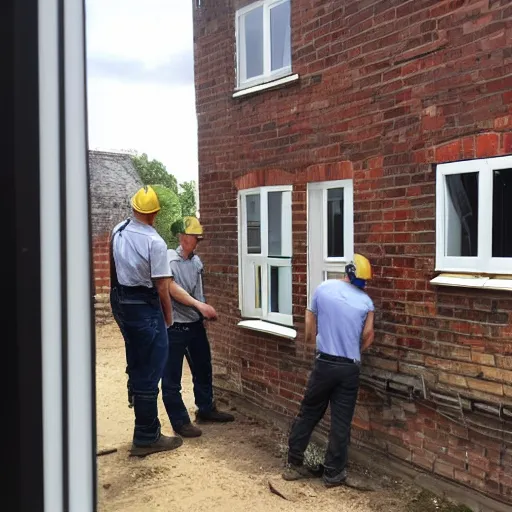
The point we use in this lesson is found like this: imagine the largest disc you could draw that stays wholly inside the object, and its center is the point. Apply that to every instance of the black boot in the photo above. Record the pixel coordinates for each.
(214, 416)
(164, 444)
(188, 430)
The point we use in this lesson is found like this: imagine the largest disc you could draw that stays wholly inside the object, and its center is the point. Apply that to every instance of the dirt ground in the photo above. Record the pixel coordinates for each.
(227, 469)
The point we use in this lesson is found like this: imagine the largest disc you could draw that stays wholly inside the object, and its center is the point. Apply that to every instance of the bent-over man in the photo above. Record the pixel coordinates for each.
(341, 317)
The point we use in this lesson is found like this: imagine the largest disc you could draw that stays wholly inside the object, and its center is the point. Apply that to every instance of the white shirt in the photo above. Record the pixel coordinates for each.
(140, 255)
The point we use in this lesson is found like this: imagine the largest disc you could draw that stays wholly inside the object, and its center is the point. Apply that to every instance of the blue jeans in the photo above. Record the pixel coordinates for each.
(139, 316)
(187, 340)
(335, 384)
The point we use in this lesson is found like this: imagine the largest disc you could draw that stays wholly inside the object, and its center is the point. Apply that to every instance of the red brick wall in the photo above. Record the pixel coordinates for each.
(101, 264)
(386, 90)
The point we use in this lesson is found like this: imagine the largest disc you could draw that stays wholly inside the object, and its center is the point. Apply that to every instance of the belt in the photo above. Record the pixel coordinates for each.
(335, 359)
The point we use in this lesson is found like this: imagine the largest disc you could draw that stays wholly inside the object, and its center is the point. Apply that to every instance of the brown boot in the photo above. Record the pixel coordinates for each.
(164, 444)
(214, 416)
(188, 430)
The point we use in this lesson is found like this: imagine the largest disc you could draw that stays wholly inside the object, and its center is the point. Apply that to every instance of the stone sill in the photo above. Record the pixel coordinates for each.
(280, 82)
(268, 328)
(472, 281)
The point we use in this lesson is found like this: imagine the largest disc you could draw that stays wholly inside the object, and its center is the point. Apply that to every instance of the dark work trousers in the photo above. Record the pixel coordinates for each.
(333, 381)
(138, 314)
(187, 340)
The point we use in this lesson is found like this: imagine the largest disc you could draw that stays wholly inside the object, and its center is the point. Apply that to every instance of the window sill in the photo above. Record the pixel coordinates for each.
(266, 327)
(280, 82)
(472, 281)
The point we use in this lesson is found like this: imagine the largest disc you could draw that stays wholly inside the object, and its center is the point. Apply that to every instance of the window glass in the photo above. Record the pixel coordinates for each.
(462, 214)
(502, 214)
(253, 31)
(280, 292)
(253, 224)
(280, 36)
(335, 238)
(275, 223)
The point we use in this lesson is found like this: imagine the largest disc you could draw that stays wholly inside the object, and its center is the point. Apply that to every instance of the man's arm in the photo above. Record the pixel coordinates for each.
(368, 332)
(162, 287)
(310, 327)
(183, 297)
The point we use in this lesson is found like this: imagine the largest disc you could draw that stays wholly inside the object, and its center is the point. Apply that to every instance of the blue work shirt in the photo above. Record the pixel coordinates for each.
(341, 310)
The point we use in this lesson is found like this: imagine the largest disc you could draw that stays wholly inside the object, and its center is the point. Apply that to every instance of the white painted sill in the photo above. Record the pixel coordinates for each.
(471, 281)
(268, 328)
(266, 86)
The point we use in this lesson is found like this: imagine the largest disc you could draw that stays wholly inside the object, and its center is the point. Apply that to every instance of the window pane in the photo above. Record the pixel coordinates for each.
(462, 214)
(275, 212)
(253, 224)
(333, 275)
(257, 287)
(280, 299)
(502, 214)
(280, 36)
(253, 33)
(335, 239)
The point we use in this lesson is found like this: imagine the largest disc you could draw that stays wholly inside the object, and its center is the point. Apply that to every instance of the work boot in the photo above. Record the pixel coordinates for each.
(335, 481)
(164, 444)
(214, 416)
(188, 430)
(296, 472)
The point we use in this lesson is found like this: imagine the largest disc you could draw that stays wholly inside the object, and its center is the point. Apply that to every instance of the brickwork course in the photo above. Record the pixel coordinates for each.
(113, 180)
(387, 90)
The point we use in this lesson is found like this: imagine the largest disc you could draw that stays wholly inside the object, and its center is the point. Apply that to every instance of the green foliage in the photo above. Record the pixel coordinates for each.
(170, 212)
(177, 227)
(153, 172)
(188, 198)
(175, 204)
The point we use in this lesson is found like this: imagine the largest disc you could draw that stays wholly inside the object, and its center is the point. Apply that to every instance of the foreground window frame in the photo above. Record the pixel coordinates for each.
(483, 262)
(267, 75)
(255, 268)
(321, 265)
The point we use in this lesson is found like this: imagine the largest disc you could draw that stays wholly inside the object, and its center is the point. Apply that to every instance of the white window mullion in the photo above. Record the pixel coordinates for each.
(266, 40)
(264, 221)
(485, 219)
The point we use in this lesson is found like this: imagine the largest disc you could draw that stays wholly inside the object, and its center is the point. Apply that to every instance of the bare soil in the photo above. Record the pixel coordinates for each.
(227, 469)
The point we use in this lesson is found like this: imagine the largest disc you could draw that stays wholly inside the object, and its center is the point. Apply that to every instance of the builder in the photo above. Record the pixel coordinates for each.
(341, 319)
(187, 335)
(141, 306)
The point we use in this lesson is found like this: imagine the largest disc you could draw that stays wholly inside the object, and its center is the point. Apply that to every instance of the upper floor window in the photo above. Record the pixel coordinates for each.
(263, 42)
(330, 230)
(265, 267)
(474, 216)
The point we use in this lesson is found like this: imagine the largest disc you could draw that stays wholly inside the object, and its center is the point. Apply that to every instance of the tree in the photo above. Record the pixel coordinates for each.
(170, 211)
(153, 172)
(188, 198)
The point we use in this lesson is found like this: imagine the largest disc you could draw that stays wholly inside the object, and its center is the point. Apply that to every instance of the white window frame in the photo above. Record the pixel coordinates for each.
(484, 263)
(320, 266)
(246, 261)
(241, 71)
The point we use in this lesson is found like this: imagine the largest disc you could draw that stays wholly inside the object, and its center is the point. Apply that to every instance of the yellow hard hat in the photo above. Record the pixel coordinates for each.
(192, 226)
(188, 226)
(359, 271)
(146, 201)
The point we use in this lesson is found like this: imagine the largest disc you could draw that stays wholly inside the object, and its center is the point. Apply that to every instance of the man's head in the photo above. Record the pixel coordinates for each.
(190, 231)
(359, 271)
(145, 205)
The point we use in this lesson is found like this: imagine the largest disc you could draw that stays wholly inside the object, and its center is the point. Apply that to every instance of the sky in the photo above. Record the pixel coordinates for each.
(140, 82)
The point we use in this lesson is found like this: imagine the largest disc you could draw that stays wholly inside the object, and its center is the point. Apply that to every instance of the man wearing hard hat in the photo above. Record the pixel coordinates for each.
(141, 306)
(341, 319)
(187, 335)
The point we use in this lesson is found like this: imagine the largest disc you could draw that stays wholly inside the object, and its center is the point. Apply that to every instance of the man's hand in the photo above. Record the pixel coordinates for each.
(207, 311)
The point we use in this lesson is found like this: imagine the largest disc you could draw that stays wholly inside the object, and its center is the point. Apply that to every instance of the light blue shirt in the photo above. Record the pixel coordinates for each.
(140, 254)
(341, 310)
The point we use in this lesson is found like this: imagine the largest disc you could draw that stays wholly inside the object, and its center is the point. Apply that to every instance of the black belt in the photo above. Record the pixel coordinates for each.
(335, 359)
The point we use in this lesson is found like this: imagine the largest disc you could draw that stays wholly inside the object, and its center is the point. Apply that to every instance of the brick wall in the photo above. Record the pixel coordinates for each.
(387, 89)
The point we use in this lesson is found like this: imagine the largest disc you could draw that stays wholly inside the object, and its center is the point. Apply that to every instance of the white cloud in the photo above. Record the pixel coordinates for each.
(140, 80)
